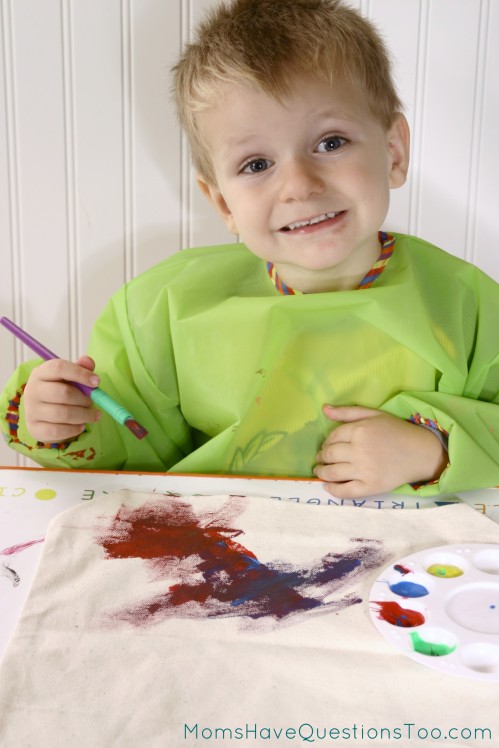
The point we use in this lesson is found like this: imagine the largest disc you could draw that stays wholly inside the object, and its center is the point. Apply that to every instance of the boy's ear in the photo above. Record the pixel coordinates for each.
(218, 201)
(399, 143)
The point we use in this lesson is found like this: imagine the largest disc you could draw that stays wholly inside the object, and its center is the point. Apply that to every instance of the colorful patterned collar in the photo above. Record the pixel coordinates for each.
(387, 242)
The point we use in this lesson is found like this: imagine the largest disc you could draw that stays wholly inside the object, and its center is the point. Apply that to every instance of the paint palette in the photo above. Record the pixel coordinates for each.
(440, 607)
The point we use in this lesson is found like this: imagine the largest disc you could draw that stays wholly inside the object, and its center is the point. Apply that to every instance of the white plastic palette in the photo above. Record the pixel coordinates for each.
(440, 607)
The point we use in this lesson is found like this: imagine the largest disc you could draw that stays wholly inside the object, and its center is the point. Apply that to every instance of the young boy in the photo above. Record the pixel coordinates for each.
(228, 355)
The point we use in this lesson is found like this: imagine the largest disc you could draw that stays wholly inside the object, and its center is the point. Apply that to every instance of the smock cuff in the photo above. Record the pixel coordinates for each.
(17, 431)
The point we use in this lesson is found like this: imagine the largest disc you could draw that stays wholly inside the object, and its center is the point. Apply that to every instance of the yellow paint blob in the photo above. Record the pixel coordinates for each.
(446, 571)
(45, 494)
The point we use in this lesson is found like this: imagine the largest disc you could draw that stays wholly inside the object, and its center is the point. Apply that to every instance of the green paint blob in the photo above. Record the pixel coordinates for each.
(446, 571)
(432, 649)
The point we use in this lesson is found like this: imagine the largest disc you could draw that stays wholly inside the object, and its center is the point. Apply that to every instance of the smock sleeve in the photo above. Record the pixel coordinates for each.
(129, 378)
(469, 414)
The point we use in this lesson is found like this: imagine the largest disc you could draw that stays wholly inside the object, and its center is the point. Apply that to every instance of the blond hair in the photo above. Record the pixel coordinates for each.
(266, 43)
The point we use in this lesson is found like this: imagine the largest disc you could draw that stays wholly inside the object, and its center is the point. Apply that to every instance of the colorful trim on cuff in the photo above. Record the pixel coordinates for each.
(441, 434)
(434, 426)
(12, 418)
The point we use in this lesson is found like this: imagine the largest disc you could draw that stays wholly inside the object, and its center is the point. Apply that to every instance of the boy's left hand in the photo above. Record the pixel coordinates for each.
(373, 452)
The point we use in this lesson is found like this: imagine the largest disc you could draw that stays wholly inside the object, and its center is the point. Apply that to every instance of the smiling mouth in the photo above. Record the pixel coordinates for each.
(311, 221)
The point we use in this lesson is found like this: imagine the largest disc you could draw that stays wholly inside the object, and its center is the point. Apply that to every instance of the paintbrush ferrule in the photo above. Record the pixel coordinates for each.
(106, 402)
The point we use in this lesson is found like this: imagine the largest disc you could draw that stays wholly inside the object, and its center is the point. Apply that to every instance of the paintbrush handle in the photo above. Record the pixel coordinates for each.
(26, 338)
(100, 398)
(38, 348)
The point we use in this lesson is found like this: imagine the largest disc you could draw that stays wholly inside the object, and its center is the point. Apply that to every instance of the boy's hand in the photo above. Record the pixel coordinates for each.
(373, 452)
(54, 409)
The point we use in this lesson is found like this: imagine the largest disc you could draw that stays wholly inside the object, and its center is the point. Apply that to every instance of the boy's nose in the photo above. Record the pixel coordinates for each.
(300, 179)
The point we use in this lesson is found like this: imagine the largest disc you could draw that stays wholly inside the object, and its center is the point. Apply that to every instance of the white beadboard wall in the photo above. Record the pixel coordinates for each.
(95, 181)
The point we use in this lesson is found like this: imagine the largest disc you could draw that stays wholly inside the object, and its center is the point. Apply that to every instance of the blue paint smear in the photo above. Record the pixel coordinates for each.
(281, 585)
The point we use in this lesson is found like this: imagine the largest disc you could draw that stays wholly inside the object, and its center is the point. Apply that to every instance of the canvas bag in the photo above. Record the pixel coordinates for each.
(165, 621)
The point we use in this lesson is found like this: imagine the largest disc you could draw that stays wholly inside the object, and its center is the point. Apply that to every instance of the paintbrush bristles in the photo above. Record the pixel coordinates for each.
(136, 429)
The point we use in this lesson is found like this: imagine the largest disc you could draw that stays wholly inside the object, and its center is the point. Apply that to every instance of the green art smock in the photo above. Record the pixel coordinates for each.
(229, 376)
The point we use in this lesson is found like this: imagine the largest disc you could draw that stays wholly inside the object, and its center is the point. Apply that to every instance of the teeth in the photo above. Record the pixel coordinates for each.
(317, 219)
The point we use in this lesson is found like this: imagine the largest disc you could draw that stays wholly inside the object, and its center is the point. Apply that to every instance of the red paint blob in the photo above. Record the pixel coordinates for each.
(402, 569)
(396, 615)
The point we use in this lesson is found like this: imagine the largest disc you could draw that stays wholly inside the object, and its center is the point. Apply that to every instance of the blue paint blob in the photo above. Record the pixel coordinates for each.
(408, 589)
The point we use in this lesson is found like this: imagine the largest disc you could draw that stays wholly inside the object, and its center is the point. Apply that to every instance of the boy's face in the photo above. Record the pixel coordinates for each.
(305, 183)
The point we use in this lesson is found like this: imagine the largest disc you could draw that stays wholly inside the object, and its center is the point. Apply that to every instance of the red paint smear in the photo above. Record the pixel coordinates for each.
(396, 615)
(218, 576)
(21, 547)
(157, 532)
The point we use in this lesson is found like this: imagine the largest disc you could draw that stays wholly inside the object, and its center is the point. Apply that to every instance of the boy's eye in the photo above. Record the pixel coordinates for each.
(332, 143)
(256, 166)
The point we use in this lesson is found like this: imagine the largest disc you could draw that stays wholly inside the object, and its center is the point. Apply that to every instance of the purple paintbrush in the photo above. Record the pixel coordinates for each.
(100, 398)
